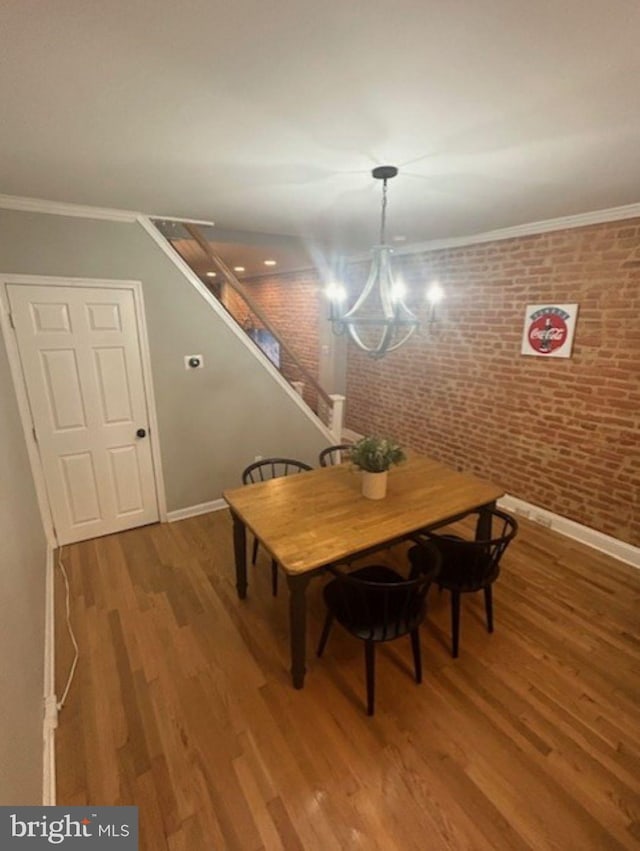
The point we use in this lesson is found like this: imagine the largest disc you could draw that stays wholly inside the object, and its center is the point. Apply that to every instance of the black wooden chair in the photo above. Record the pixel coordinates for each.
(335, 454)
(468, 565)
(262, 471)
(377, 604)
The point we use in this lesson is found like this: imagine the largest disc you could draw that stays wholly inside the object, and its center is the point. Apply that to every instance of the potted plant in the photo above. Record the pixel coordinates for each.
(374, 456)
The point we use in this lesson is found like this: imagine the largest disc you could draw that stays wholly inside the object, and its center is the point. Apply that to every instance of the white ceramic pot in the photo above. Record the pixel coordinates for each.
(374, 485)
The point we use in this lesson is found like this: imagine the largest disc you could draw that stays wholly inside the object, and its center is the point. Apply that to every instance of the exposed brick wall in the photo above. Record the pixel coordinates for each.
(291, 303)
(235, 305)
(560, 433)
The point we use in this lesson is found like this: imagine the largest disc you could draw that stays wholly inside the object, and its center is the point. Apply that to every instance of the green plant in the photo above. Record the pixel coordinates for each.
(376, 454)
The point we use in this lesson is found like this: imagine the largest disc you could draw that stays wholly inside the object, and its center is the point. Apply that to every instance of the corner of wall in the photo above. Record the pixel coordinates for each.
(50, 701)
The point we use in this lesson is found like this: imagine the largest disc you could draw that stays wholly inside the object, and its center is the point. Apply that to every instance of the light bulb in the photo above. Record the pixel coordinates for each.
(335, 292)
(435, 293)
(398, 291)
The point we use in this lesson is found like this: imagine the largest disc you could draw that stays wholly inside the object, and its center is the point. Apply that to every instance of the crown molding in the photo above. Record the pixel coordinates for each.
(61, 208)
(579, 220)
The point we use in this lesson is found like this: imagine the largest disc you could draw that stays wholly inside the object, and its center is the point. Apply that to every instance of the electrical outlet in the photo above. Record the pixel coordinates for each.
(257, 457)
(543, 520)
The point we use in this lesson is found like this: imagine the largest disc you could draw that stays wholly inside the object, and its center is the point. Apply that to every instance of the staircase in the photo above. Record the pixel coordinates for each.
(237, 301)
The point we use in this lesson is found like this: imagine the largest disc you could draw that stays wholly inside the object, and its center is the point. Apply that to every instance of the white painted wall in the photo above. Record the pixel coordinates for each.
(22, 610)
(212, 421)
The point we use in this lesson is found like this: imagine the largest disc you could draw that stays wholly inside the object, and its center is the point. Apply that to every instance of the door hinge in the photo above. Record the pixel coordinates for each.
(33, 431)
(11, 322)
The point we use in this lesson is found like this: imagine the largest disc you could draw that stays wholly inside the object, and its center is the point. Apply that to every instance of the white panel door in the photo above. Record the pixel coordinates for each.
(81, 361)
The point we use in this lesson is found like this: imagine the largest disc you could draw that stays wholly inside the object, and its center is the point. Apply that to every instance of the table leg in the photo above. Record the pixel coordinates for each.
(298, 625)
(240, 555)
(483, 526)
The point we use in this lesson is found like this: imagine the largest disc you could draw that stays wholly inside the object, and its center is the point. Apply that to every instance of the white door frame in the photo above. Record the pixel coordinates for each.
(21, 391)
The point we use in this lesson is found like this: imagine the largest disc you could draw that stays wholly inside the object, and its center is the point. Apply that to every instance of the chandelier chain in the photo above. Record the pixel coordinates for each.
(383, 218)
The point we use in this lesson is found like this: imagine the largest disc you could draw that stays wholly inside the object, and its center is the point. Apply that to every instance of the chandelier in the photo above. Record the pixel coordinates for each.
(379, 321)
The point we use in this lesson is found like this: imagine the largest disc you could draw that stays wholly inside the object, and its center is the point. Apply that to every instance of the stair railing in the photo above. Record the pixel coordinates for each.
(330, 405)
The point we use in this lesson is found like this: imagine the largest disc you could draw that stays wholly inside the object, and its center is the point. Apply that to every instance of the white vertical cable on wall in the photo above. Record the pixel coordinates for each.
(67, 605)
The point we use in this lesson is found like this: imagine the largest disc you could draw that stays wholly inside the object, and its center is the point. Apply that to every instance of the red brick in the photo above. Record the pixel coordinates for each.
(561, 434)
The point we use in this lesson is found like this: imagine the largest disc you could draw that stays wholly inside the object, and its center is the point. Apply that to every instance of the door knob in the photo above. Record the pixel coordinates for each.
(141, 433)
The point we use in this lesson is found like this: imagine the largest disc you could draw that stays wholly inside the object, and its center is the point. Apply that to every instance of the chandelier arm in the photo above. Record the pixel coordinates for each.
(368, 287)
(374, 351)
(405, 313)
(411, 331)
(386, 283)
(355, 336)
(380, 273)
(385, 341)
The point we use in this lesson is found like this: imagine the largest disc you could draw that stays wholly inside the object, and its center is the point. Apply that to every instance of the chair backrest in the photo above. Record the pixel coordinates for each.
(471, 564)
(272, 468)
(335, 454)
(383, 610)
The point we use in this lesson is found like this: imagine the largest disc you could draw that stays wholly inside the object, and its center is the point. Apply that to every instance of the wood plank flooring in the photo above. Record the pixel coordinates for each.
(182, 704)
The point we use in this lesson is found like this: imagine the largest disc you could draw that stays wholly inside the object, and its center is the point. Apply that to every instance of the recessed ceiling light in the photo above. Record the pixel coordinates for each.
(270, 263)
(211, 274)
(238, 268)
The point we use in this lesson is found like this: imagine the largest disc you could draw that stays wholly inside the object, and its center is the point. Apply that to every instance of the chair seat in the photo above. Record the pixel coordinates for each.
(374, 603)
(469, 565)
(463, 568)
(369, 620)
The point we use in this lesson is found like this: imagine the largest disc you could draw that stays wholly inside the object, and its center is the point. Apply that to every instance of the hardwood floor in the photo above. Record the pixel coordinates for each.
(182, 704)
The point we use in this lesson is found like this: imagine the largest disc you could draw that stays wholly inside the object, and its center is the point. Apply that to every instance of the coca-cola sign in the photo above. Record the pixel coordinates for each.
(548, 330)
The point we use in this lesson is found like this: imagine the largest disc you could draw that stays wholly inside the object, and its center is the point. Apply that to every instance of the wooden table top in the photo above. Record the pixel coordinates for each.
(308, 520)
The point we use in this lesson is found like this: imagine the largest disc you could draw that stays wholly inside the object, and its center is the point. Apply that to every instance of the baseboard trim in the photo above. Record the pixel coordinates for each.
(195, 510)
(50, 700)
(584, 534)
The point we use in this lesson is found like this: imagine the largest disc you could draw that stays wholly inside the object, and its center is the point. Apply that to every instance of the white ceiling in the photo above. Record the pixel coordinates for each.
(268, 115)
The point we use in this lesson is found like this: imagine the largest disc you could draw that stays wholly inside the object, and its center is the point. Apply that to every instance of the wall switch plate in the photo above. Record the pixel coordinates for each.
(193, 361)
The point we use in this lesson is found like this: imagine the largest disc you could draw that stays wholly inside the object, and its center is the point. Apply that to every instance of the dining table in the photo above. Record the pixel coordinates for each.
(314, 519)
